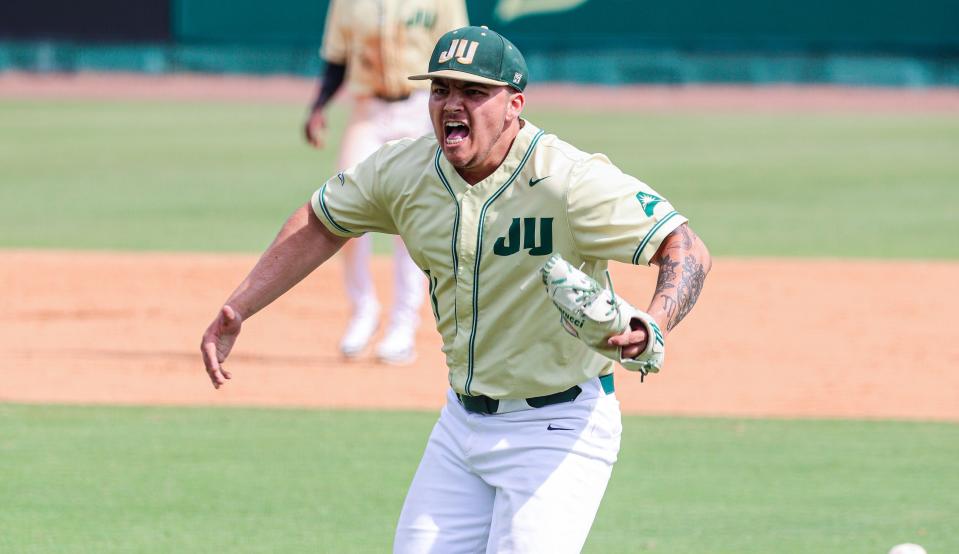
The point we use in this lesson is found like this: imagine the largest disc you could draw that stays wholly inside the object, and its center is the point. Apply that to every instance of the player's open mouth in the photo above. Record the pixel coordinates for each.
(455, 132)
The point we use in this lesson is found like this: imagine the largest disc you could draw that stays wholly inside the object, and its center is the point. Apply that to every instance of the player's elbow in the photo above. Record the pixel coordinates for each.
(702, 253)
(684, 244)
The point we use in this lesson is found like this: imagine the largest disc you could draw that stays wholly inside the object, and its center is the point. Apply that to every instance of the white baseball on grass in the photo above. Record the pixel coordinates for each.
(907, 548)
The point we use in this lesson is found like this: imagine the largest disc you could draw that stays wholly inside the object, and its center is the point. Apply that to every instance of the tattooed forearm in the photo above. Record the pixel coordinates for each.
(667, 275)
(690, 285)
(683, 264)
(669, 306)
(679, 292)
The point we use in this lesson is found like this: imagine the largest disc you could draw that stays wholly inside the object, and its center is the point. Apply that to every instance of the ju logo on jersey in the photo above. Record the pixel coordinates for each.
(463, 50)
(539, 242)
(422, 18)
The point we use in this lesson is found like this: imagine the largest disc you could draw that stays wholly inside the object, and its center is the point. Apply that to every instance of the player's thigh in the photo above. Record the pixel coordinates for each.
(557, 517)
(548, 497)
(447, 508)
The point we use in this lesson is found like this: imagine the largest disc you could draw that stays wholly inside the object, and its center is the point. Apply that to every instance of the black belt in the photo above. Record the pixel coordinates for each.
(399, 98)
(485, 405)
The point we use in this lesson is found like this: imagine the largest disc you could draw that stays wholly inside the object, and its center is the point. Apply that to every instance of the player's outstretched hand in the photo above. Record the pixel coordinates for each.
(218, 341)
(315, 129)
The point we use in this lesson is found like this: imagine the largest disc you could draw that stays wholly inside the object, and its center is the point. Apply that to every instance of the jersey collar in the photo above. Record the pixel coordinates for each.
(516, 155)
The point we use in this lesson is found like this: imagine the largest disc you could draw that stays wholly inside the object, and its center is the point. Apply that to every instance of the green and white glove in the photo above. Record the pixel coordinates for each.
(593, 313)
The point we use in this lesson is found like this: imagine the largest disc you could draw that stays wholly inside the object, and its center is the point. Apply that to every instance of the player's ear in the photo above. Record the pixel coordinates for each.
(517, 102)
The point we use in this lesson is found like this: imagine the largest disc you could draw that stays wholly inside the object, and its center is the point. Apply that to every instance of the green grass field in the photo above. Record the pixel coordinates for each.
(118, 480)
(202, 176)
(222, 177)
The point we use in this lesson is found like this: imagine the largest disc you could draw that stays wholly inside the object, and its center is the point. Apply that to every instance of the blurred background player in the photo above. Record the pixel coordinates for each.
(374, 45)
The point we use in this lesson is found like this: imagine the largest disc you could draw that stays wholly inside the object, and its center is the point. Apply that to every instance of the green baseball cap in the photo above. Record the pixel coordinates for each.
(477, 55)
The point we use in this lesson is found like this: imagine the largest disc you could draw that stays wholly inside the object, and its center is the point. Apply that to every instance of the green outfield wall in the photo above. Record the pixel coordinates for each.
(771, 25)
(880, 42)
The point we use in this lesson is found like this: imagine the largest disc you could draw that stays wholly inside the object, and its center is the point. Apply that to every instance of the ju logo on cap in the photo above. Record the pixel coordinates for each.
(463, 56)
(478, 55)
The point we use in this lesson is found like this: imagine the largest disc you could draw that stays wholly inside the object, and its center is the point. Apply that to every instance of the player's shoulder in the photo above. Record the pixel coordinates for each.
(406, 151)
(564, 158)
(403, 163)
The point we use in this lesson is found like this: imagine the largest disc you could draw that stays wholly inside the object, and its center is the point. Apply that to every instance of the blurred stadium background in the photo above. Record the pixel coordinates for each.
(855, 42)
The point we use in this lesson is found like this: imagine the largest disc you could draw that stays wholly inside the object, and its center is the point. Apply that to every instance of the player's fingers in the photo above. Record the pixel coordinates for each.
(630, 343)
(628, 338)
(633, 350)
(212, 363)
(309, 130)
(208, 350)
(313, 130)
(221, 357)
(318, 133)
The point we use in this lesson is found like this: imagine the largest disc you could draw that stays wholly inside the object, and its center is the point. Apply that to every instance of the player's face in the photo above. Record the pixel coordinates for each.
(475, 124)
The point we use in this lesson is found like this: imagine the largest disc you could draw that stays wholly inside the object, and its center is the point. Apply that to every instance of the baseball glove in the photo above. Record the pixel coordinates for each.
(593, 313)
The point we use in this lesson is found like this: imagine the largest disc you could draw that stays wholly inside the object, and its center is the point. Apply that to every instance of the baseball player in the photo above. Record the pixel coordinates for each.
(375, 45)
(490, 207)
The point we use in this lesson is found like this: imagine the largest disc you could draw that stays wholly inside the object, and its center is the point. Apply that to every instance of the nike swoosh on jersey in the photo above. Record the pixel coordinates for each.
(552, 427)
(532, 182)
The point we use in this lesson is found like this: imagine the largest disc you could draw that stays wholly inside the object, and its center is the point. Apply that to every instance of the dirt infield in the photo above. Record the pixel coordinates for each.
(790, 338)
(298, 91)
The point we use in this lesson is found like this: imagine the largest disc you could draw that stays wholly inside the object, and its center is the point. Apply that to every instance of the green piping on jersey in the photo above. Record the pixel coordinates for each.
(479, 255)
(649, 235)
(456, 222)
(456, 230)
(327, 213)
(433, 301)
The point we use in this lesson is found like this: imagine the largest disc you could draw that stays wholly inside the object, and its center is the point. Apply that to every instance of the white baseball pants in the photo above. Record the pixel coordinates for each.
(372, 123)
(519, 482)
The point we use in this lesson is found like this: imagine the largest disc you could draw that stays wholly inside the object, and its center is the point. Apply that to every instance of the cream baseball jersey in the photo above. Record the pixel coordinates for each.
(383, 41)
(478, 244)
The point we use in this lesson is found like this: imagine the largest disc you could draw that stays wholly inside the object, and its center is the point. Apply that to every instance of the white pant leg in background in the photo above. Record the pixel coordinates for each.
(360, 139)
(408, 118)
(372, 123)
(546, 485)
(408, 287)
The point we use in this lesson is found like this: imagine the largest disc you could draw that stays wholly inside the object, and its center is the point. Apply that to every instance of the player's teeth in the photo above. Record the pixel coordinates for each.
(456, 132)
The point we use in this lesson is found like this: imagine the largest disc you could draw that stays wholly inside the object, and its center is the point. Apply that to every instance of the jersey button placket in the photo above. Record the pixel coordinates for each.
(466, 248)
